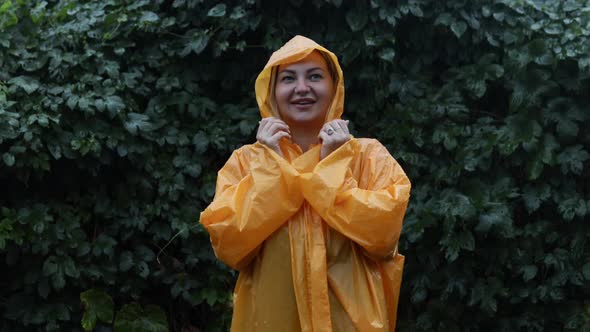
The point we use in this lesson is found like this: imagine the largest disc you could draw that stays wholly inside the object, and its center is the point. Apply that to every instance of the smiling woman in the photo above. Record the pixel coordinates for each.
(309, 215)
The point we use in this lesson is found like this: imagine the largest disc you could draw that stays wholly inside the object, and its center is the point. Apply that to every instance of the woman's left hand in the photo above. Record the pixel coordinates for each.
(333, 134)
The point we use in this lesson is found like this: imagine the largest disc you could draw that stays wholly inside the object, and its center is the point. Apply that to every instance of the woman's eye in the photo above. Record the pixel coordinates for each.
(315, 77)
(287, 79)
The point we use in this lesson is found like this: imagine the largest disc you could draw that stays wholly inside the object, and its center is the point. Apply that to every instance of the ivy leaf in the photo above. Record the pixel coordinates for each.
(137, 122)
(72, 102)
(149, 17)
(201, 142)
(84, 104)
(237, 13)
(98, 306)
(197, 44)
(356, 19)
(528, 272)
(494, 217)
(567, 128)
(458, 28)
(387, 54)
(531, 199)
(114, 104)
(126, 261)
(133, 318)
(57, 280)
(444, 19)
(217, 11)
(43, 288)
(572, 159)
(27, 83)
(586, 271)
(8, 159)
(50, 266)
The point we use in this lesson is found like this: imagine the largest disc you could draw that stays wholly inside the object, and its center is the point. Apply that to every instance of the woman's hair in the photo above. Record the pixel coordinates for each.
(331, 66)
(275, 73)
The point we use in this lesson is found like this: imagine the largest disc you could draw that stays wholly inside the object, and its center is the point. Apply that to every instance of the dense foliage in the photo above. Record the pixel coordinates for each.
(114, 118)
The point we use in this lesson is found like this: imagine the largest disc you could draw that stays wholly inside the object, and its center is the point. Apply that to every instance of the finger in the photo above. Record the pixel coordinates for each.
(277, 136)
(327, 125)
(263, 124)
(323, 136)
(333, 128)
(276, 126)
(280, 121)
(343, 126)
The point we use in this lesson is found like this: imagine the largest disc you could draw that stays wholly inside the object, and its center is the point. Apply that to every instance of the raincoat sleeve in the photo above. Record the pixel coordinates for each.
(369, 209)
(257, 191)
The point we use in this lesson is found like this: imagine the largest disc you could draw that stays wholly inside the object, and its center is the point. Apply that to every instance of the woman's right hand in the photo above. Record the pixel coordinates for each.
(270, 132)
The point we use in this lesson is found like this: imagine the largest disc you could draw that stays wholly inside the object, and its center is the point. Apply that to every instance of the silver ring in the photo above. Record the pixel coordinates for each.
(330, 131)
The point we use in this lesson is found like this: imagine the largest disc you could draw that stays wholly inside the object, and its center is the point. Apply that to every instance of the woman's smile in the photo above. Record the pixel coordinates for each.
(303, 103)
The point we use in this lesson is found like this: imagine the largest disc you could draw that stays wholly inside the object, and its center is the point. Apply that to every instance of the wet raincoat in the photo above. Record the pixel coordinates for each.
(315, 241)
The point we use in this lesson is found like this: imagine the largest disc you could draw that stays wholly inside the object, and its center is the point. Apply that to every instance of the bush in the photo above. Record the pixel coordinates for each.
(114, 119)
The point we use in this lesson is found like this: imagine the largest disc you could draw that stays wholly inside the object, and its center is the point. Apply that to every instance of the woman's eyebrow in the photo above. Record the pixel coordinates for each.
(290, 71)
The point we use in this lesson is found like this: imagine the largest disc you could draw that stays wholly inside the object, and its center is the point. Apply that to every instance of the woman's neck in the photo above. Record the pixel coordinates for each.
(304, 136)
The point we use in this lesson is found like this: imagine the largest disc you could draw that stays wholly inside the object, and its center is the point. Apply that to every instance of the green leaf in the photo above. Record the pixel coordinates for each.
(495, 217)
(8, 159)
(197, 44)
(572, 159)
(98, 305)
(444, 19)
(387, 54)
(466, 240)
(126, 261)
(84, 104)
(143, 269)
(27, 83)
(43, 288)
(237, 13)
(533, 198)
(554, 29)
(70, 268)
(114, 104)
(201, 142)
(356, 19)
(586, 271)
(149, 17)
(133, 318)
(458, 28)
(528, 272)
(567, 128)
(58, 280)
(217, 11)
(50, 266)
(416, 10)
(137, 122)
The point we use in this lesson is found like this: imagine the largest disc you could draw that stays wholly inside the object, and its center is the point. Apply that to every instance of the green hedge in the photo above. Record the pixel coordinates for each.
(114, 119)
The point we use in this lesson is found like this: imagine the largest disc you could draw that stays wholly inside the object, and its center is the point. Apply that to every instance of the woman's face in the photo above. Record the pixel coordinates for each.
(304, 91)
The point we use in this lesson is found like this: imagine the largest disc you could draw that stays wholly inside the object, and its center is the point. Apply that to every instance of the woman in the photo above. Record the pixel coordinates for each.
(309, 216)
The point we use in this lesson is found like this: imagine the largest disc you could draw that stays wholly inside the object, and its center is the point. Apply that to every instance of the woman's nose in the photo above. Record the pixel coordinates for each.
(301, 87)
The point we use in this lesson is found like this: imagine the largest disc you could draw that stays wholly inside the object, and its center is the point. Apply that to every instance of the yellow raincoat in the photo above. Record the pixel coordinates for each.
(315, 241)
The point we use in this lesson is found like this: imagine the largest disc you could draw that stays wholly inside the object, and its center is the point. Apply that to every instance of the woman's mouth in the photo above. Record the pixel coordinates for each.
(303, 103)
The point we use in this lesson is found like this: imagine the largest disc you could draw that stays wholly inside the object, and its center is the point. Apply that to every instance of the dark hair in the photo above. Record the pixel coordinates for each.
(330, 64)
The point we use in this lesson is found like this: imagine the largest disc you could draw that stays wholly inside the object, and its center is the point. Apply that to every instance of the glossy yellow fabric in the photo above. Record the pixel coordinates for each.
(315, 241)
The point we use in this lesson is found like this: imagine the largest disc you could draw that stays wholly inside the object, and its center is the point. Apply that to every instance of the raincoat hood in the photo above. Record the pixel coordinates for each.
(294, 50)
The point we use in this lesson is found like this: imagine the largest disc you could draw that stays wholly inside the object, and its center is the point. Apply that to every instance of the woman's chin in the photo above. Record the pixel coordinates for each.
(307, 117)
